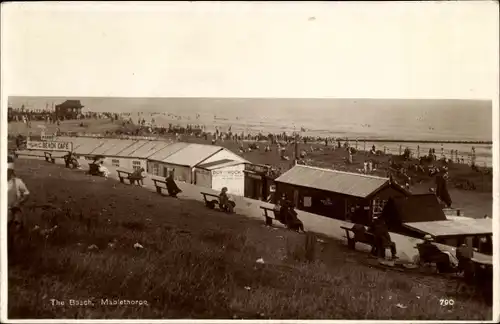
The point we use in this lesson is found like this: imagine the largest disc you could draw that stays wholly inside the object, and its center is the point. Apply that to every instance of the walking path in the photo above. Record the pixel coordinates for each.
(330, 227)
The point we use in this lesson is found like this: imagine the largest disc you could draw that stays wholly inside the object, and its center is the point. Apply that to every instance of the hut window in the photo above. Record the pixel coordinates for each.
(136, 165)
(155, 169)
(378, 206)
(115, 163)
(89, 158)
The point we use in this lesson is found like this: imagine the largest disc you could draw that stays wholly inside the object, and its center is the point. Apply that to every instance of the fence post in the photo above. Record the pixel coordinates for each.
(310, 246)
(399, 149)
(418, 151)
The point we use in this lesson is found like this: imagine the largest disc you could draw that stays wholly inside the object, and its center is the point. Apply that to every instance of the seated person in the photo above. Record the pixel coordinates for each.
(431, 253)
(172, 188)
(382, 238)
(138, 175)
(293, 222)
(359, 234)
(464, 255)
(70, 159)
(103, 170)
(224, 202)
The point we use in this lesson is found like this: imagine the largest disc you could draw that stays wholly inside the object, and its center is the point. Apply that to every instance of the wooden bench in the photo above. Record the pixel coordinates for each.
(128, 176)
(365, 237)
(210, 203)
(48, 157)
(269, 219)
(158, 186)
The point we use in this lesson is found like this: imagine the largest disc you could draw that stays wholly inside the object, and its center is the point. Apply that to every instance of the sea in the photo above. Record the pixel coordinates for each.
(392, 120)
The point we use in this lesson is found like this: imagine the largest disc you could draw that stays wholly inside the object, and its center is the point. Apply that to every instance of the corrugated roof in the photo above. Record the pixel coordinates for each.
(456, 227)
(122, 145)
(150, 148)
(351, 184)
(192, 154)
(129, 151)
(106, 146)
(219, 164)
(88, 146)
(77, 141)
(167, 151)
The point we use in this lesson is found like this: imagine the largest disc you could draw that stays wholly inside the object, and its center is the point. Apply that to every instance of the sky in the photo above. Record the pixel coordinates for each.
(318, 50)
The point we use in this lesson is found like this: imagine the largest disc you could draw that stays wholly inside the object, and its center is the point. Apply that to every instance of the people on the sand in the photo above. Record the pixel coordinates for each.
(172, 188)
(17, 193)
(224, 202)
(382, 238)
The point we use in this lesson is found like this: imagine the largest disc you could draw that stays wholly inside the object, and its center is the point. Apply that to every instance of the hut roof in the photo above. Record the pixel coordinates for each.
(219, 164)
(192, 155)
(416, 208)
(346, 183)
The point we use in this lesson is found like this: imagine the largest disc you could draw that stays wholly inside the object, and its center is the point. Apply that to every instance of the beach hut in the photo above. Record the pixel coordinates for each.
(155, 161)
(221, 173)
(337, 194)
(83, 147)
(457, 231)
(133, 156)
(412, 209)
(184, 157)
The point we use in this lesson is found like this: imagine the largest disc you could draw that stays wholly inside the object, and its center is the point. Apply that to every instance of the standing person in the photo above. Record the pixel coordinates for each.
(17, 193)
(143, 176)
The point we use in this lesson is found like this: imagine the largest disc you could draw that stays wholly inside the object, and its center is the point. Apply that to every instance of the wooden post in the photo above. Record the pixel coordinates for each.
(418, 151)
(400, 149)
(385, 149)
(356, 144)
(364, 146)
(310, 247)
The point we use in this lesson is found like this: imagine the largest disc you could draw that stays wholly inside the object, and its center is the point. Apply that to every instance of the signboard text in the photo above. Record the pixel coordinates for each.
(49, 145)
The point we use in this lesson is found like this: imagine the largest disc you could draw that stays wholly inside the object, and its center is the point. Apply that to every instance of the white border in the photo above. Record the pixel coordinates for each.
(5, 91)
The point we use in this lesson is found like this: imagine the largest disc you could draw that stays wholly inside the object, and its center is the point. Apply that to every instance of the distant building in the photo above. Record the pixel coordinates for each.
(69, 109)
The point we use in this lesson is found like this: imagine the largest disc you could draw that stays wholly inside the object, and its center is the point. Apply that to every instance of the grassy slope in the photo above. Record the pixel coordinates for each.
(195, 263)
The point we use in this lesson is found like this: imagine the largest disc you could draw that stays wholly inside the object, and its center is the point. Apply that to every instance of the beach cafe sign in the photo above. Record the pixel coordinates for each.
(50, 145)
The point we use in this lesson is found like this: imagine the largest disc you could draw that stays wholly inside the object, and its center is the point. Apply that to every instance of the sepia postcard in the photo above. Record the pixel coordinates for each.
(228, 161)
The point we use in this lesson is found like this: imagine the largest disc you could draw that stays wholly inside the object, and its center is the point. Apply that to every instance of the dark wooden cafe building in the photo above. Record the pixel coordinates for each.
(338, 194)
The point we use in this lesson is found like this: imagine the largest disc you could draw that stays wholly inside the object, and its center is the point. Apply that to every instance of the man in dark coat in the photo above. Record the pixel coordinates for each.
(172, 188)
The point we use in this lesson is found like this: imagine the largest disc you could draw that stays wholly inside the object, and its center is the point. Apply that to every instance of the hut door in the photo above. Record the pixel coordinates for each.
(296, 198)
(165, 171)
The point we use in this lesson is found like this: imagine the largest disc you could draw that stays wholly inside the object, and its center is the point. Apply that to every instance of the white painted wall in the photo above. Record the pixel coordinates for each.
(203, 178)
(125, 163)
(231, 177)
(224, 154)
